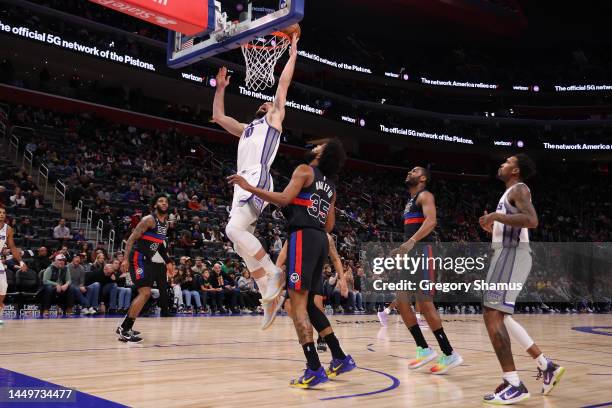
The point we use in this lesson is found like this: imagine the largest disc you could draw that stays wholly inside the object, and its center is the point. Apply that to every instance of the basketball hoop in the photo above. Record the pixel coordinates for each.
(261, 56)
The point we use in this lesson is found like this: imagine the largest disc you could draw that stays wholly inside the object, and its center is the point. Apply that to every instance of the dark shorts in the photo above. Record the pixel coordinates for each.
(307, 251)
(141, 270)
(425, 271)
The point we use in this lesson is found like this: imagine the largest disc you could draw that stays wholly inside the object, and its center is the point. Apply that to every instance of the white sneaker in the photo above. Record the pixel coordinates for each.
(276, 283)
(92, 311)
(84, 311)
(270, 310)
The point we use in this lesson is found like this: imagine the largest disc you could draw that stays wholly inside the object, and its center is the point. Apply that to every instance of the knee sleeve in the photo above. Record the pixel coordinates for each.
(317, 318)
(250, 261)
(239, 234)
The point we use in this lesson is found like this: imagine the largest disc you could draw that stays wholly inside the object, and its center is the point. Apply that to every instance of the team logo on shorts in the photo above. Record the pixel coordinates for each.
(294, 278)
(139, 273)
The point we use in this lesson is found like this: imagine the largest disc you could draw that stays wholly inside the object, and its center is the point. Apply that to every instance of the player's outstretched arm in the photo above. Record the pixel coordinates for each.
(226, 122)
(337, 262)
(302, 176)
(277, 113)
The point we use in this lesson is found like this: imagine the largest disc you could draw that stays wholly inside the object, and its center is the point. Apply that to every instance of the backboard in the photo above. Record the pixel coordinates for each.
(229, 34)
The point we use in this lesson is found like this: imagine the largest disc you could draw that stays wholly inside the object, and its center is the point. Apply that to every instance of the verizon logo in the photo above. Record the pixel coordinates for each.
(162, 2)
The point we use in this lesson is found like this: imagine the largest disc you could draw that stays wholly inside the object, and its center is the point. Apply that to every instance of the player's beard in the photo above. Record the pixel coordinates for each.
(410, 182)
(309, 156)
(160, 211)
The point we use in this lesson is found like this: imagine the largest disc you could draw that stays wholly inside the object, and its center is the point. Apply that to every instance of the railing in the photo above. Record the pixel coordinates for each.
(60, 190)
(79, 213)
(43, 172)
(111, 243)
(28, 157)
(99, 232)
(89, 221)
(14, 144)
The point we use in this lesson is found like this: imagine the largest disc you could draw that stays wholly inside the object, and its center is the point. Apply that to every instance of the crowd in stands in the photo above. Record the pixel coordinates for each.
(115, 170)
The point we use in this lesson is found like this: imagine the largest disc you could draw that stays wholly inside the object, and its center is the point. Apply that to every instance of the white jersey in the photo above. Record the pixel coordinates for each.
(256, 152)
(504, 233)
(3, 236)
(258, 146)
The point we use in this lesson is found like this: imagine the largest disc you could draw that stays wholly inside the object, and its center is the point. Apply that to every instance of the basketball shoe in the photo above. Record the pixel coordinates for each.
(337, 366)
(551, 376)
(310, 378)
(507, 394)
(423, 356)
(445, 363)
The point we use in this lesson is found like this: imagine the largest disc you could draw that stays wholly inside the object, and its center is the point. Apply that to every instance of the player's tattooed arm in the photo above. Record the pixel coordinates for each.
(228, 123)
(145, 224)
(302, 176)
(527, 217)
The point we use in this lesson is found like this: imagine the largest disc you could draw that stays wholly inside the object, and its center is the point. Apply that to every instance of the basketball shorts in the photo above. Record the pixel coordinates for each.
(141, 269)
(307, 251)
(3, 282)
(508, 266)
(423, 273)
(247, 203)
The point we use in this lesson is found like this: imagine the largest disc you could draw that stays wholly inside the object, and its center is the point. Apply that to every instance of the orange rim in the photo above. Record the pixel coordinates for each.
(268, 47)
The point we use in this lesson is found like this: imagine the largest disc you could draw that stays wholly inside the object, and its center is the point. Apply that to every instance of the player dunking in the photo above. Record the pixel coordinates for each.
(511, 263)
(419, 222)
(6, 238)
(311, 197)
(257, 149)
(147, 240)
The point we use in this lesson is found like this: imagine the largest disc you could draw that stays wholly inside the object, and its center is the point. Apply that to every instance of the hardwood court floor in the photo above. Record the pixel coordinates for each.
(229, 362)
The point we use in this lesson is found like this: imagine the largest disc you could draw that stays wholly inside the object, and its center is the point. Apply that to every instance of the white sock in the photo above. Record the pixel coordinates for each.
(387, 310)
(542, 362)
(518, 333)
(513, 378)
(268, 265)
(262, 284)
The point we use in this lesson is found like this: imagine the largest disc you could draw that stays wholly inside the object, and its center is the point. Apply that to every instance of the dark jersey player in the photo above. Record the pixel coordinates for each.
(147, 240)
(419, 222)
(310, 197)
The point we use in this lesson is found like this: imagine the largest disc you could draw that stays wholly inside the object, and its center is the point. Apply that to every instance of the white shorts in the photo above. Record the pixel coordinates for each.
(508, 266)
(3, 283)
(259, 177)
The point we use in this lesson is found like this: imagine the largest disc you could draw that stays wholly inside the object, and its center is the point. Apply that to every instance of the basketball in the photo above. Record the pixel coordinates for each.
(294, 28)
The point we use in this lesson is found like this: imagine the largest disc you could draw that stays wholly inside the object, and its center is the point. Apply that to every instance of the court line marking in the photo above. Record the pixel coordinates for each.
(395, 381)
(605, 404)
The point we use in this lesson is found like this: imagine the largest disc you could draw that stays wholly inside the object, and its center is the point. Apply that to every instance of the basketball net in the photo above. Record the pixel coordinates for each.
(261, 56)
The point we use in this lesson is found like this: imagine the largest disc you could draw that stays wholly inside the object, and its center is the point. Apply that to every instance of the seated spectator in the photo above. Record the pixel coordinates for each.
(194, 204)
(199, 266)
(26, 229)
(79, 236)
(186, 241)
(106, 278)
(41, 259)
(35, 201)
(86, 296)
(227, 285)
(212, 293)
(61, 231)
(4, 197)
(190, 287)
(251, 296)
(124, 288)
(175, 284)
(182, 197)
(56, 282)
(18, 199)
